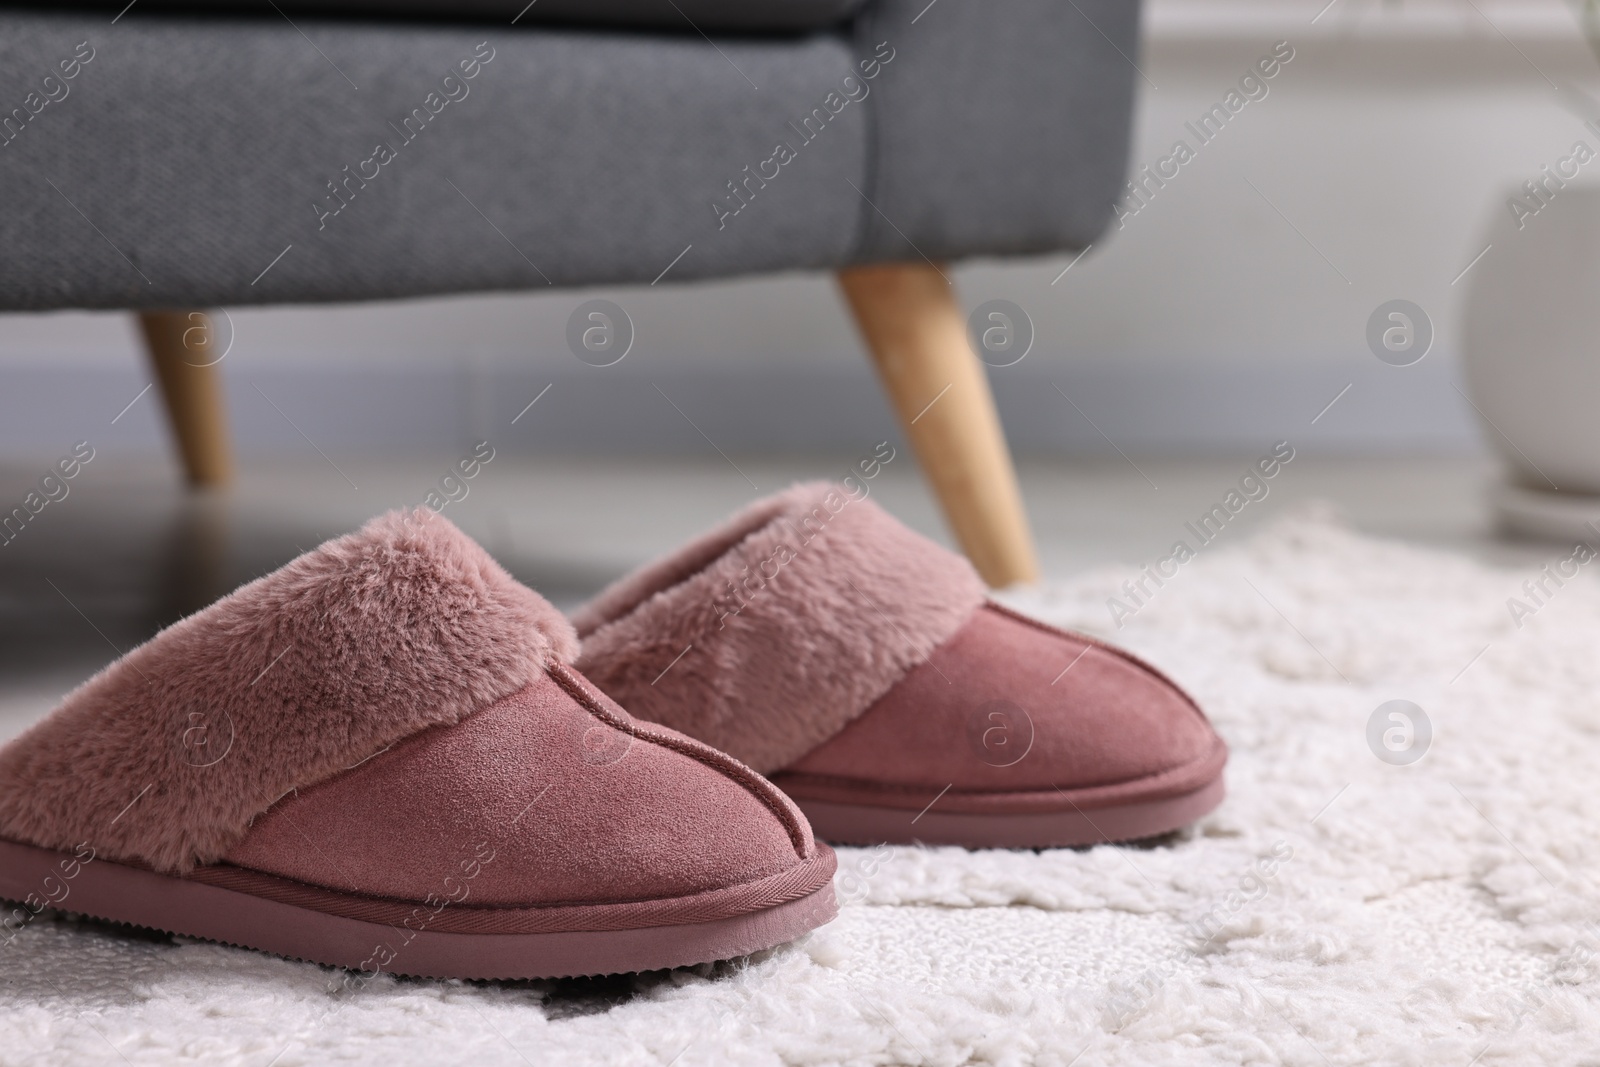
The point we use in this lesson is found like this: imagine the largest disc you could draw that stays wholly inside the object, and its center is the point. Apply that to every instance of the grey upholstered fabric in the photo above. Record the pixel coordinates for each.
(187, 154)
(686, 16)
(1002, 125)
(190, 161)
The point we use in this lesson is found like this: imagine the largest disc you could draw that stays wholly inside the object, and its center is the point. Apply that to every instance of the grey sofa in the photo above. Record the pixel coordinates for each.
(250, 152)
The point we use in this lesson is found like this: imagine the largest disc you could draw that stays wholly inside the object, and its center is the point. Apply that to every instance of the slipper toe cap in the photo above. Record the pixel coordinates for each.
(534, 801)
(1012, 712)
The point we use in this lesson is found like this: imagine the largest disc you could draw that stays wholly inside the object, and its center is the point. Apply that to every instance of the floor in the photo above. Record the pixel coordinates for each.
(128, 551)
(1337, 909)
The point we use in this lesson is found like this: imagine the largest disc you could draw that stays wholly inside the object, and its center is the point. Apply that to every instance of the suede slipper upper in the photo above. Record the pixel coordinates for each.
(379, 757)
(863, 668)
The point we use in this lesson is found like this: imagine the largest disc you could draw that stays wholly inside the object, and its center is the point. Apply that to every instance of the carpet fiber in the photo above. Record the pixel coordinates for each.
(1337, 909)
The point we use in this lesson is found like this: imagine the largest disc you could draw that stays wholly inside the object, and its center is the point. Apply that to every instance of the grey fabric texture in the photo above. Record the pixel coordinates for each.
(192, 160)
(187, 155)
(686, 16)
(1001, 127)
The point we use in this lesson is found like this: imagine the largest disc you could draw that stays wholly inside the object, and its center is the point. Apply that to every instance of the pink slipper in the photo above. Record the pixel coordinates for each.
(377, 757)
(861, 666)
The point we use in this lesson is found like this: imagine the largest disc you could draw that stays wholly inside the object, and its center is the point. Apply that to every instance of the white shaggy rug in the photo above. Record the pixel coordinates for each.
(1336, 910)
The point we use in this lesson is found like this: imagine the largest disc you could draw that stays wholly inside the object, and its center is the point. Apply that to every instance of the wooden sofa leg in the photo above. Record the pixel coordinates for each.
(179, 344)
(915, 333)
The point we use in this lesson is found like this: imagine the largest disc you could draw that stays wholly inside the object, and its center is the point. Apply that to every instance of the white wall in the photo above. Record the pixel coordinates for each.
(1206, 323)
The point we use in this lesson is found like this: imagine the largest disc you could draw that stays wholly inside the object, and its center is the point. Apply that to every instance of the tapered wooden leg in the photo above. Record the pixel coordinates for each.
(917, 338)
(180, 345)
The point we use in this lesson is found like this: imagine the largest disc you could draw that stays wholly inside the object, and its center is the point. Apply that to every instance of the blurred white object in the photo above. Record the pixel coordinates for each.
(1531, 352)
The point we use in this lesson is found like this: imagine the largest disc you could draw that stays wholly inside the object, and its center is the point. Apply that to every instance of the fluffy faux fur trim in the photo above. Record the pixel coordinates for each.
(165, 756)
(767, 635)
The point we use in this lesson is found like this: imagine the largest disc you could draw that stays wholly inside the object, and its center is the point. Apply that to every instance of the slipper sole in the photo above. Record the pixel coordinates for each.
(869, 824)
(439, 940)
